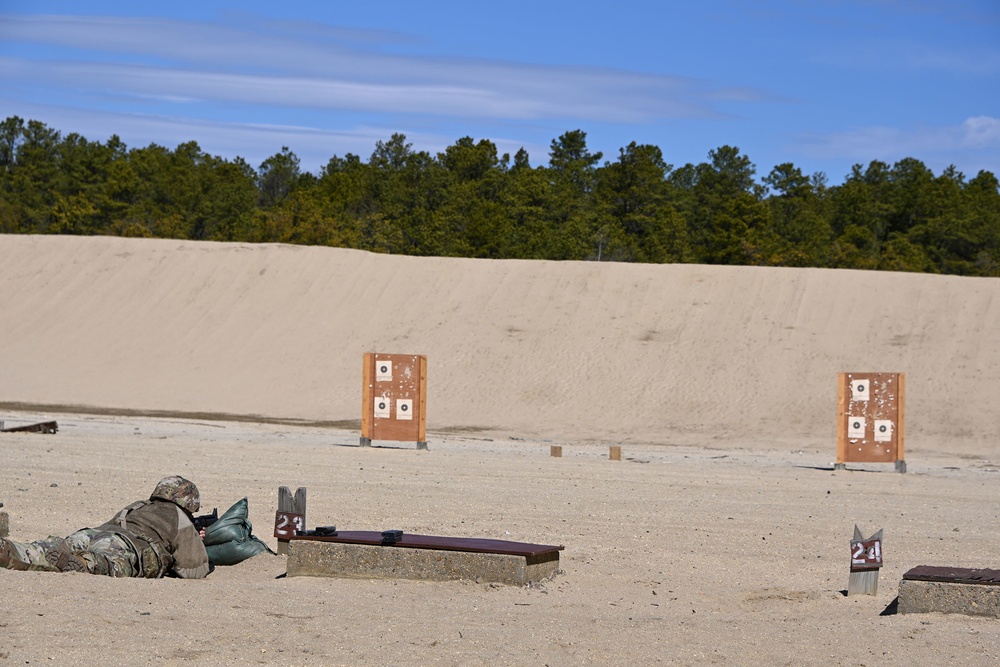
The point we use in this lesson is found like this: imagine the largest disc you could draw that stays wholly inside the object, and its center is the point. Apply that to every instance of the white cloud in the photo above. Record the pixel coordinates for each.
(972, 145)
(225, 64)
(981, 132)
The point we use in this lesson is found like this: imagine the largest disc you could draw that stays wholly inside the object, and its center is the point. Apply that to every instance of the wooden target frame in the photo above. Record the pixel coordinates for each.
(870, 419)
(394, 398)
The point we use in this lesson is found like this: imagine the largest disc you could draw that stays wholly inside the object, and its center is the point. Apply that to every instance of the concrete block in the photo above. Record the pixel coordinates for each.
(335, 559)
(921, 597)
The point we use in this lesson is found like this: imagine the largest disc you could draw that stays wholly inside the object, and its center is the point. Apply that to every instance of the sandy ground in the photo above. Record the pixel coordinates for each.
(675, 555)
(721, 538)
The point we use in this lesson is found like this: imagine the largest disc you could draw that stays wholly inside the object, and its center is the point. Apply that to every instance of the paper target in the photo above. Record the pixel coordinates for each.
(856, 428)
(883, 430)
(404, 408)
(859, 390)
(383, 407)
(383, 370)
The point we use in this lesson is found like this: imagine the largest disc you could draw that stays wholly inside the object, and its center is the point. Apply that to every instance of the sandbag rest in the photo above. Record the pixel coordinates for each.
(230, 540)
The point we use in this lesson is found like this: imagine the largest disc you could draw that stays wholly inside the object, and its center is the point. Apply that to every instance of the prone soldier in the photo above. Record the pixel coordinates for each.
(149, 538)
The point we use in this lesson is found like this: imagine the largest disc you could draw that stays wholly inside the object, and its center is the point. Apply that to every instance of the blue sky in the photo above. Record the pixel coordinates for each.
(823, 84)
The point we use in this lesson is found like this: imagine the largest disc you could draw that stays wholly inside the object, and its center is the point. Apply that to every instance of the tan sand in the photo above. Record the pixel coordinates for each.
(722, 538)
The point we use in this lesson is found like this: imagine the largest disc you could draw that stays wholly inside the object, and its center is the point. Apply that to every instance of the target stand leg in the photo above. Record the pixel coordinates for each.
(900, 466)
(421, 445)
(366, 442)
(840, 466)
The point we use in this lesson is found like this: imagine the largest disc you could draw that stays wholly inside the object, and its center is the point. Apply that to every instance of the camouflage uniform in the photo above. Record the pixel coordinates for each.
(149, 538)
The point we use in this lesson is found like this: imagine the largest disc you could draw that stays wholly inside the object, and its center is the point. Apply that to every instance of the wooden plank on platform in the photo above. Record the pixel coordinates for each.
(950, 590)
(467, 544)
(421, 557)
(41, 427)
(954, 575)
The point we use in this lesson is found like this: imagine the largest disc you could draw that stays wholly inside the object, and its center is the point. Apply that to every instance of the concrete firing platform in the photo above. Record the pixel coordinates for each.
(361, 554)
(950, 590)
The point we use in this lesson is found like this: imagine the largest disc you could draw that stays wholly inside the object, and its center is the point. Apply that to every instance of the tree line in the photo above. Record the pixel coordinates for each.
(470, 201)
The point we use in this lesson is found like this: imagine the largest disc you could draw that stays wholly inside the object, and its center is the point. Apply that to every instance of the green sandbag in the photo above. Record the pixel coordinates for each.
(230, 540)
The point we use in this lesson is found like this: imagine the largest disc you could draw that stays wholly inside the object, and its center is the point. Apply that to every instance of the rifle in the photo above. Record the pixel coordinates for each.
(205, 520)
(320, 531)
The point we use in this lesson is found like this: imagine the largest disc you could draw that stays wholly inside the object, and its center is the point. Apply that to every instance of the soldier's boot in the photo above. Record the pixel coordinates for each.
(65, 560)
(9, 558)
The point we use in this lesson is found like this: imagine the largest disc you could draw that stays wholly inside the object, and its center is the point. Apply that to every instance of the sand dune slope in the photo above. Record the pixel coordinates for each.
(600, 351)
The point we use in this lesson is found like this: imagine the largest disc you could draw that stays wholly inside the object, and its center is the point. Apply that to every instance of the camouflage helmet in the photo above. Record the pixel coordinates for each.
(178, 490)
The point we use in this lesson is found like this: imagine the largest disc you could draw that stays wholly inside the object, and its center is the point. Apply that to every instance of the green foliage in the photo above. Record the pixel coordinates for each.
(798, 231)
(277, 177)
(726, 217)
(637, 220)
(470, 201)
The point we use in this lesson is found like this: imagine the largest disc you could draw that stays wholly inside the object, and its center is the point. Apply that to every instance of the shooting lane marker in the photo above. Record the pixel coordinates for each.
(866, 559)
(290, 517)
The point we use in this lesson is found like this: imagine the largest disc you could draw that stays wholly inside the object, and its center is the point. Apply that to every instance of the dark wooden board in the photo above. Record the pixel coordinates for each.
(954, 575)
(472, 544)
(43, 427)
